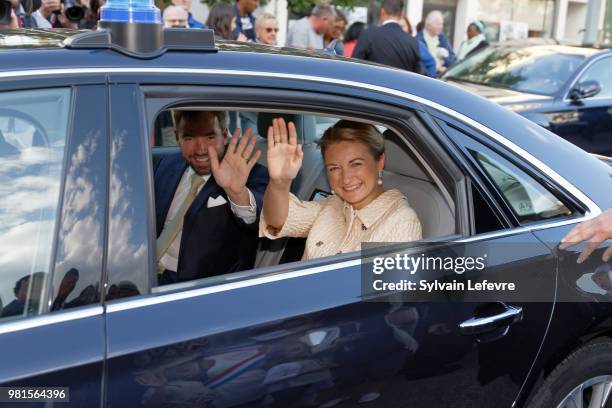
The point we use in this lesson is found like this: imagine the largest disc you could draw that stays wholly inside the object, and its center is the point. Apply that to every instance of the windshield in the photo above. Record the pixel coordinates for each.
(541, 70)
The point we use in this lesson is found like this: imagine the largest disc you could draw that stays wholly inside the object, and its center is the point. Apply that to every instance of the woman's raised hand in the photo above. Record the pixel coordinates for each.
(284, 153)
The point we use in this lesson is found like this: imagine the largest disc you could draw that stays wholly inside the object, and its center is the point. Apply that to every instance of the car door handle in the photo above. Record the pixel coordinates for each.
(479, 325)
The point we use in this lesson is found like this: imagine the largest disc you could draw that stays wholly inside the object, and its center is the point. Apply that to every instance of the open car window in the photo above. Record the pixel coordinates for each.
(404, 171)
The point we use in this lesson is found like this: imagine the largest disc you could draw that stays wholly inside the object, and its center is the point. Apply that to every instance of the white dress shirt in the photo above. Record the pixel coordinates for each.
(247, 213)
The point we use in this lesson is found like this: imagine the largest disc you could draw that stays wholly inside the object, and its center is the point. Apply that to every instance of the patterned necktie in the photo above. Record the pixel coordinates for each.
(169, 233)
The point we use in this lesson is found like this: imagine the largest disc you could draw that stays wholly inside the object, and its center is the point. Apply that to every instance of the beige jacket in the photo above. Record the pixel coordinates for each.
(333, 226)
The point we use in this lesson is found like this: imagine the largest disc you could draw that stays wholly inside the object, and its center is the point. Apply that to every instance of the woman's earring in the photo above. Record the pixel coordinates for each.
(380, 178)
(333, 192)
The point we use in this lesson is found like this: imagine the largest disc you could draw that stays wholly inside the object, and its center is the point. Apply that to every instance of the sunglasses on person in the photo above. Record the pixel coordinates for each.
(269, 30)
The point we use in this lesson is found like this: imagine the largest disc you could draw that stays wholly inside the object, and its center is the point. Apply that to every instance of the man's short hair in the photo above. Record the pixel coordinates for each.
(183, 116)
(434, 15)
(393, 7)
(322, 10)
(260, 21)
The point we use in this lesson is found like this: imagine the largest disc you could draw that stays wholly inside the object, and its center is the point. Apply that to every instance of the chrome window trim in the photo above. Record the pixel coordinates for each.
(134, 303)
(276, 276)
(582, 71)
(593, 209)
(11, 326)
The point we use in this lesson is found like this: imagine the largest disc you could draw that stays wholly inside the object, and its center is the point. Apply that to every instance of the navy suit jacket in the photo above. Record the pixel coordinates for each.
(214, 241)
(388, 44)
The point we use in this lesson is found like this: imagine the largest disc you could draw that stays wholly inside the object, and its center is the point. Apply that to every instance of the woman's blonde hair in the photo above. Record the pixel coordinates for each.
(349, 131)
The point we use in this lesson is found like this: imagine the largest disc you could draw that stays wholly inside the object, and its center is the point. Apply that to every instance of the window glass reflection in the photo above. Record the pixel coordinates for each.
(528, 199)
(33, 128)
(600, 71)
(539, 69)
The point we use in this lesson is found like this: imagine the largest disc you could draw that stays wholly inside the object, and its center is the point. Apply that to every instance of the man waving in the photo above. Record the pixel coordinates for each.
(208, 199)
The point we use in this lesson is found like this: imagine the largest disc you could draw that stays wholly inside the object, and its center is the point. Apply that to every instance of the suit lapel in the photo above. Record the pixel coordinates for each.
(210, 189)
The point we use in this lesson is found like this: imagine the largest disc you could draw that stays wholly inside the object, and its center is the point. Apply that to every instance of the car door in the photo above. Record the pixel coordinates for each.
(303, 333)
(53, 170)
(588, 122)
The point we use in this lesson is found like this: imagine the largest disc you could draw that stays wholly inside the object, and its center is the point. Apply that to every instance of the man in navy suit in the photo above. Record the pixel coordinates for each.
(387, 43)
(208, 199)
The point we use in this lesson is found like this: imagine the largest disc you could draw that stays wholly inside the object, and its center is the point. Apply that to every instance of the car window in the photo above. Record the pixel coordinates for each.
(403, 171)
(33, 129)
(600, 71)
(526, 197)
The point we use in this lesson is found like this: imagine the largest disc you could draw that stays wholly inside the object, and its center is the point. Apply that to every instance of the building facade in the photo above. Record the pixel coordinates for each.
(575, 21)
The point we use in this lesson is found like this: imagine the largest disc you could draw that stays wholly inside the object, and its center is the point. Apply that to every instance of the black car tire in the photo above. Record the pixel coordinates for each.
(588, 362)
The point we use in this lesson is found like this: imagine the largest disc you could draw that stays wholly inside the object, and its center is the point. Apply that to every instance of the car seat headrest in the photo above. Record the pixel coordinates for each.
(399, 159)
(264, 121)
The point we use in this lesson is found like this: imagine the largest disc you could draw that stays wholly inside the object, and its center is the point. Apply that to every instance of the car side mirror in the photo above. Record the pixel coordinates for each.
(584, 90)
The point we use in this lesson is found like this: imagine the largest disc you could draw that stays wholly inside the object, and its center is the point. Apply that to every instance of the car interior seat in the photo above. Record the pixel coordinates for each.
(404, 172)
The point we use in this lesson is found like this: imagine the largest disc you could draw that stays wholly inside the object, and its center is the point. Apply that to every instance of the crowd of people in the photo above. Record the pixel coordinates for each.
(393, 41)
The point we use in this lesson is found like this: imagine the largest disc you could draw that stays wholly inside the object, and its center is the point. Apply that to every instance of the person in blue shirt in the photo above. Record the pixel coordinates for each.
(429, 63)
(438, 45)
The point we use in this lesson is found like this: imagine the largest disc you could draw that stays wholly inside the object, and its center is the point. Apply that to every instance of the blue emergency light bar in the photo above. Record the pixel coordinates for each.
(130, 11)
(134, 28)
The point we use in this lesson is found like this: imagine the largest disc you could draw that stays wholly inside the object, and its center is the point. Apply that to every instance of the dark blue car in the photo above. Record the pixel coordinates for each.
(83, 123)
(565, 89)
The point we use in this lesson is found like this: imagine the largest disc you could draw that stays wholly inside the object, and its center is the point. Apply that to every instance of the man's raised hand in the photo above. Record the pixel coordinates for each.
(233, 171)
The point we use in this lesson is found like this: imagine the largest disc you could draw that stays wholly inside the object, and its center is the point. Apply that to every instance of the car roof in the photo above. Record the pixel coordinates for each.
(309, 66)
(55, 39)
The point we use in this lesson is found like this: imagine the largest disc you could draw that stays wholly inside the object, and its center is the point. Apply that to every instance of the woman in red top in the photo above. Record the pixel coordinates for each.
(351, 36)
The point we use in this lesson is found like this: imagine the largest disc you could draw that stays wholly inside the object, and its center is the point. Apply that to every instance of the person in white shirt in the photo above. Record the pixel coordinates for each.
(475, 42)
(40, 17)
(308, 32)
(208, 198)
